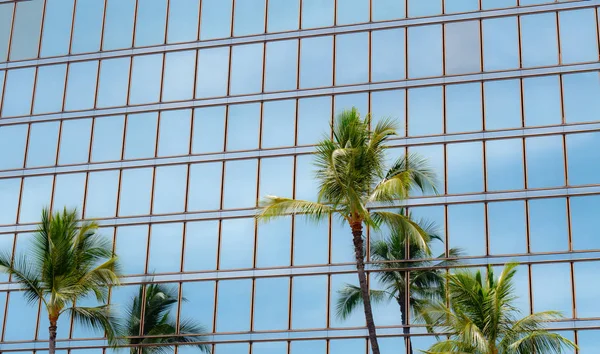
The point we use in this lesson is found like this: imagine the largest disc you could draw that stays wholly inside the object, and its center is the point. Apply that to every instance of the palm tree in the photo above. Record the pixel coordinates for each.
(67, 261)
(158, 325)
(352, 176)
(482, 318)
(424, 284)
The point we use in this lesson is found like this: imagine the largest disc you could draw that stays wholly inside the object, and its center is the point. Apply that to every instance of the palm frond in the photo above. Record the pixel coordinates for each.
(97, 318)
(350, 297)
(403, 225)
(274, 207)
(24, 272)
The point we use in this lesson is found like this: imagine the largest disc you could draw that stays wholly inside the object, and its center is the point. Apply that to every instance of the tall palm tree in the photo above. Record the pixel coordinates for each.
(158, 325)
(424, 284)
(482, 318)
(67, 261)
(353, 176)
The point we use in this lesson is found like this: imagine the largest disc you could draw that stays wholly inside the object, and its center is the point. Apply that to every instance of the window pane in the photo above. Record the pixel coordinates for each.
(88, 26)
(352, 11)
(351, 58)
(174, 133)
(342, 248)
(12, 138)
(276, 176)
(347, 346)
(37, 192)
(309, 301)
(308, 346)
(270, 347)
(271, 300)
(249, 17)
(131, 243)
(274, 239)
(425, 111)
(18, 91)
(9, 200)
(21, 317)
(145, 79)
(213, 72)
(114, 82)
(463, 108)
(465, 168)
(246, 69)
(338, 282)
(49, 88)
(425, 51)
(165, 248)
(388, 9)
(68, 191)
(539, 42)
(387, 57)
(306, 185)
(243, 123)
(587, 292)
(360, 101)
(501, 43)
(281, 65)
(504, 163)
(497, 4)
(578, 41)
(283, 15)
(209, 129)
(461, 6)
(136, 185)
(463, 48)
(150, 22)
(81, 85)
(580, 92)
(233, 311)
(420, 8)
(542, 101)
(506, 227)
(43, 141)
(240, 184)
(179, 76)
(587, 341)
(583, 227)
(314, 119)
(311, 242)
(56, 35)
(582, 149)
(183, 21)
(101, 196)
(107, 143)
(545, 164)
(278, 123)
(205, 186)
(316, 61)
(118, 25)
(317, 13)
(466, 228)
(200, 303)
(559, 287)
(169, 189)
(6, 12)
(201, 239)
(26, 30)
(437, 215)
(216, 19)
(389, 104)
(502, 104)
(548, 225)
(140, 139)
(75, 141)
(434, 155)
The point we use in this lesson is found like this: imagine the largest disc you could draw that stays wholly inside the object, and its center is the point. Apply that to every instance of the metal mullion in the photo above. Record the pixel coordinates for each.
(10, 34)
(519, 39)
(252, 303)
(103, 25)
(37, 325)
(39, 50)
(201, 3)
(72, 27)
(233, 2)
(558, 41)
(597, 30)
(328, 303)
(290, 300)
(300, 6)
(166, 22)
(486, 225)
(133, 31)
(530, 289)
(573, 291)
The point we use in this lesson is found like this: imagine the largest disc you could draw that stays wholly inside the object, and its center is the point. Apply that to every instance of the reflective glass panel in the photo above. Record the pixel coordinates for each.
(548, 236)
(10, 189)
(145, 79)
(271, 301)
(463, 48)
(587, 341)
(311, 242)
(342, 248)
(6, 13)
(425, 111)
(274, 241)
(243, 124)
(389, 104)
(453, 6)
(36, 195)
(87, 29)
(314, 119)
(49, 88)
(249, 17)
(68, 191)
(212, 72)
(383, 10)
(463, 108)
(316, 62)
(465, 167)
(583, 228)
(352, 11)
(174, 132)
(579, 94)
(434, 155)
(501, 43)
(246, 69)
(502, 104)
(18, 91)
(136, 187)
(270, 348)
(437, 216)
(150, 22)
(12, 138)
(233, 307)
(201, 242)
(420, 8)
(281, 65)
(75, 141)
(466, 228)
(21, 317)
(165, 248)
(169, 189)
(308, 346)
(276, 176)
(199, 305)
(237, 244)
(233, 348)
(504, 163)
(507, 227)
(101, 197)
(131, 243)
(183, 21)
(56, 35)
(559, 287)
(240, 184)
(114, 82)
(81, 85)
(347, 346)
(205, 186)
(118, 24)
(178, 79)
(539, 41)
(360, 101)
(351, 58)
(278, 123)
(216, 19)
(43, 141)
(317, 13)
(337, 283)
(388, 60)
(309, 301)
(586, 290)
(542, 101)
(208, 129)
(283, 15)
(140, 138)
(26, 30)
(107, 143)
(578, 41)
(424, 51)
(582, 150)
(545, 161)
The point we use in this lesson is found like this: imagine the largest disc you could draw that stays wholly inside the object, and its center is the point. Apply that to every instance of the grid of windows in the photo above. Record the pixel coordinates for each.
(167, 120)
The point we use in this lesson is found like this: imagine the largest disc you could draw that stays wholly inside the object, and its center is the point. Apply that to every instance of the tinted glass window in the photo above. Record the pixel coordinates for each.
(281, 65)
(145, 79)
(317, 13)
(539, 42)
(183, 21)
(246, 69)
(12, 138)
(114, 82)
(81, 85)
(26, 30)
(118, 24)
(316, 62)
(351, 58)
(19, 90)
(578, 41)
(150, 22)
(388, 60)
(424, 51)
(463, 108)
(56, 35)
(88, 26)
(178, 77)
(49, 89)
(249, 17)
(283, 15)
(463, 48)
(501, 43)
(213, 72)
(216, 19)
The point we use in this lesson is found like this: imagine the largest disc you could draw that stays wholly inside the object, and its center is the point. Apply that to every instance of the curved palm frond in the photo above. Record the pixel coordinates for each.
(97, 318)
(273, 207)
(403, 225)
(350, 297)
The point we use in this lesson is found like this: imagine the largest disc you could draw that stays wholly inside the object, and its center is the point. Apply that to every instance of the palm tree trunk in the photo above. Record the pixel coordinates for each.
(52, 337)
(362, 280)
(405, 327)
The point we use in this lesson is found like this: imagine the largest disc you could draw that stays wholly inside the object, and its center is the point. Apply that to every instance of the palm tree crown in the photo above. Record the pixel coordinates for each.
(482, 318)
(67, 261)
(159, 330)
(353, 177)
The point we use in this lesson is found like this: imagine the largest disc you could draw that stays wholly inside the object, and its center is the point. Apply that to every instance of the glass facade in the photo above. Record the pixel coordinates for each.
(166, 120)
